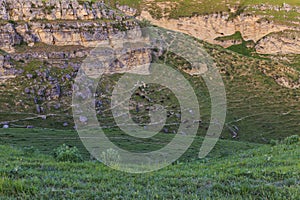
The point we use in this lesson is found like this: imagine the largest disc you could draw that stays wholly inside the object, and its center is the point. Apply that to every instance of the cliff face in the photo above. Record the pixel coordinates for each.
(252, 27)
(44, 43)
(68, 22)
(58, 23)
(53, 10)
(210, 27)
(287, 42)
(62, 34)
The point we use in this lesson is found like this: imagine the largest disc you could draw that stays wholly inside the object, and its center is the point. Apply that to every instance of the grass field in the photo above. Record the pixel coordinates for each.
(262, 173)
(46, 140)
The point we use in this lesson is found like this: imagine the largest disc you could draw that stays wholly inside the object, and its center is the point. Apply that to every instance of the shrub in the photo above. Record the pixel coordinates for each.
(291, 140)
(29, 150)
(273, 142)
(111, 158)
(66, 153)
(145, 23)
(12, 22)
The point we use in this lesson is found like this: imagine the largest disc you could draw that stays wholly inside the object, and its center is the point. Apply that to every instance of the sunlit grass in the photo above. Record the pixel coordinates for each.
(265, 172)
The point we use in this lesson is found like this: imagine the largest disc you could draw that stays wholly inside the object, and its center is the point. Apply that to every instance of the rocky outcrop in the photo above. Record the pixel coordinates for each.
(5, 65)
(9, 37)
(284, 7)
(252, 27)
(58, 23)
(127, 10)
(287, 42)
(59, 59)
(87, 34)
(70, 33)
(62, 34)
(23, 10)
(210, 27)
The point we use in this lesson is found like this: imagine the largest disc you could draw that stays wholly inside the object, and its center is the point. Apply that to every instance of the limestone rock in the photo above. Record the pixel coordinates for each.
(53, 10)
(9, 37)
(62, 22)
(286, 42)
(83, 119)
(6, 126)
(210, 27)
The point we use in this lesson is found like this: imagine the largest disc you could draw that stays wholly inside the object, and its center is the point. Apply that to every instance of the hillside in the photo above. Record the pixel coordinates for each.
(263, 95)
(264, 172)
(254, 46)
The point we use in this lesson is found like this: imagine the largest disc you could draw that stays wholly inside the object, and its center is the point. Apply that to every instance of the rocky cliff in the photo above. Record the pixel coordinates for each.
(58, 23)
(44, 43)
(61, 33)
(69, 22)
(285, 42)
(253, 27)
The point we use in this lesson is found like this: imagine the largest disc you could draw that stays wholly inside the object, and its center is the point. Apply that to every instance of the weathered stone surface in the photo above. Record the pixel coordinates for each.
(53, 10)
(80, 26)
(210, 27)
(87, 34)
(9, 37)
(64, 22)
(6, 69)
(127, 10)
(83, 119)
(287, 42)
(5, 126)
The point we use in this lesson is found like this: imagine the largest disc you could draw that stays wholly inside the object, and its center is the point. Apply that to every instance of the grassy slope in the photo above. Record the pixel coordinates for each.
(45, 140)
(261, 108)
(262, 173)
(256, 103)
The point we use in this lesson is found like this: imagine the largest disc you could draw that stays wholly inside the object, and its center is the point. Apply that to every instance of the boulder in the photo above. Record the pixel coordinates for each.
(5, 126)
(83, 119)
